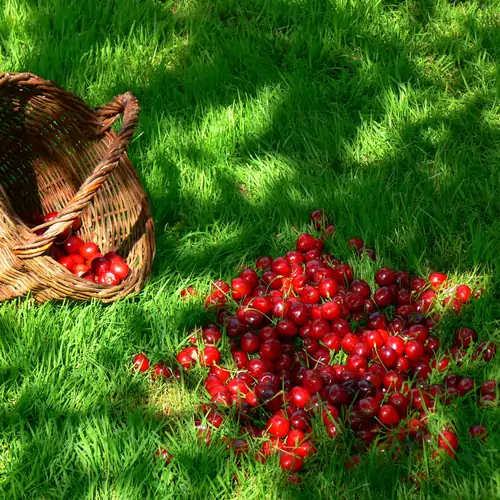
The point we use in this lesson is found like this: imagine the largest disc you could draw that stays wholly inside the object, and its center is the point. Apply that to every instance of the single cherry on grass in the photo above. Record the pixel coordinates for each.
(141, 363)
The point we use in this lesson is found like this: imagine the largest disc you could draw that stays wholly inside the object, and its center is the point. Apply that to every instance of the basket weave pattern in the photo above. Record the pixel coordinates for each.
(56, 153)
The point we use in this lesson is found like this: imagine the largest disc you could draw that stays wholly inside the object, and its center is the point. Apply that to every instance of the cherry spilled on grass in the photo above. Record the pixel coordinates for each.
(292, 318)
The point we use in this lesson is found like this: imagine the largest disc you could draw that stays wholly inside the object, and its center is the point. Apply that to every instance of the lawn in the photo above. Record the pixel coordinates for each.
(384, 114)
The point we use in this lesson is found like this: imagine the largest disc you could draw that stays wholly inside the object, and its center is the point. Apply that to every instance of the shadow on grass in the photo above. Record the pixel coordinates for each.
(233, 53)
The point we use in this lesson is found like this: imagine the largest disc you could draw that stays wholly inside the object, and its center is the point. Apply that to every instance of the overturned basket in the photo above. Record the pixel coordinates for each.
(56, 153)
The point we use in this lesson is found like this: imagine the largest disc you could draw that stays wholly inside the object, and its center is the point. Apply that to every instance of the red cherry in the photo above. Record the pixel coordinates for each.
(329, 231)
(210, 356)
(286, 329)
(234, 327)
(77, 259)
(343, 274)
(211, 334)
(463, 293)
(319, 328)
(393, 381)
(448, 441)
(281, 266)
(141, 363)
(72, 245)
(488, 400)
(93, 257)
(241, 359)
(109, 279)
(306, 242)
(486, 350)
(367, 407)
(400, 402)
(67, 262)
(465, 336)
(432, 345)
(278, 426)
(111, 256)
(341, 327)
(376, 320)
(375, 338)
(300, 397)
(119, 267)
(290, 462)
(356, 243)
(295, 257)
(419, 400)
(397, 344)
(418, 332)
(77, 224)
(421, 370)
(354, 302)
(163, 453)
(403, 365)
(384, 297)
(338, 395)
(187, 292)
(310, 295)
(427, 299)
(356, 363)
(161, 371)
(388, 357)
(264, 262)
(367, 252)
(328, 288)
(80, 270)
(388, 416)
(240, 288)
(262, 304)
(250, 275)
(349, 341)
(414, 350)
(330, 311)
(478, 431)
(100, 265)
(252, 318)
(299, 419)
(304, 449)
(87, 250)
(417, 284)
(319, 219)
(437, 280)
(361, 288)
(250, 342)
(220, 288)
(489, 387)
(465, 385)
(270, 349)
(385, 276)
(332, 341)
(403, 279)
(361, 349)
(312, 381)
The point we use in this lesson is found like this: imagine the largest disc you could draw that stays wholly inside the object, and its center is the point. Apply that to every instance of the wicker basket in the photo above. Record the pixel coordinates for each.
(56, 153)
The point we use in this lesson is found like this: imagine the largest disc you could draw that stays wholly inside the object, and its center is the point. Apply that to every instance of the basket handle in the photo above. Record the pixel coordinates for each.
(125, 104)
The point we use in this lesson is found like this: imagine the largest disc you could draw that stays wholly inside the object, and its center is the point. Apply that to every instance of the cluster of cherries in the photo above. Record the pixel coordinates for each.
(84, 260)
(309, 341)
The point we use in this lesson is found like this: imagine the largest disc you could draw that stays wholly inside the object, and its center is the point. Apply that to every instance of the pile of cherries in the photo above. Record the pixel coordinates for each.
(312, 344)
(84, 260)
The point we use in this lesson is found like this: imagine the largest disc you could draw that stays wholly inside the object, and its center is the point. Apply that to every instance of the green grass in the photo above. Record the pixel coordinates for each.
(385, 114)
